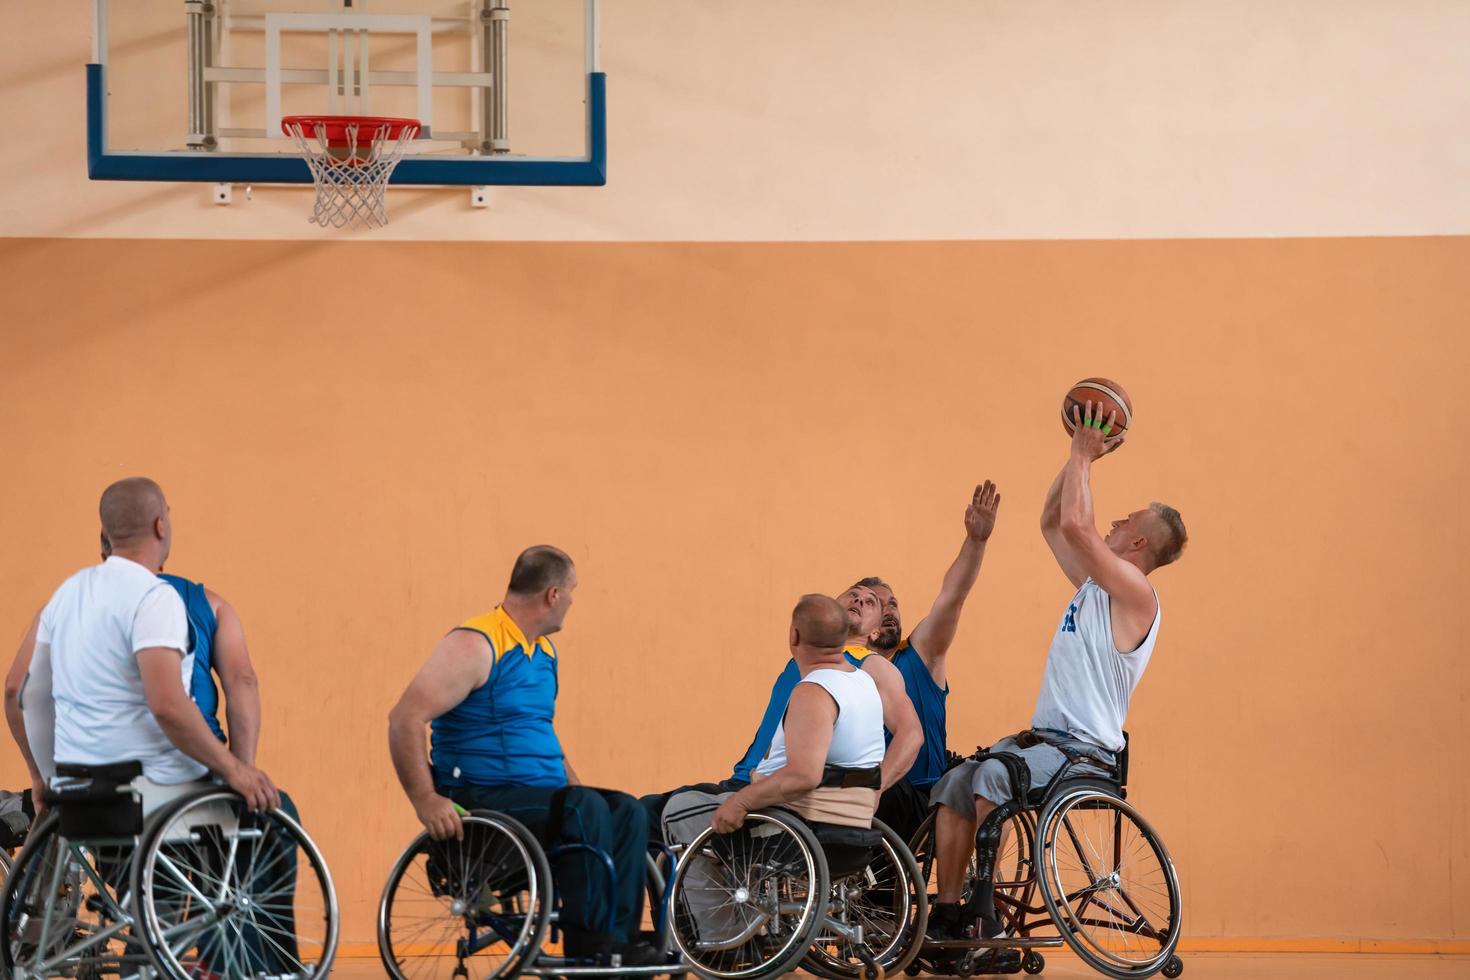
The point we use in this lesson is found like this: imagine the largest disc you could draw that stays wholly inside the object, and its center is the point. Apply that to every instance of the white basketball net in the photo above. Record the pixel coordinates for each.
(352, 180)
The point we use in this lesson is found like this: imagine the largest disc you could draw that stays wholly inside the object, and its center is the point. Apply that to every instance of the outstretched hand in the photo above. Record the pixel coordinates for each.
(980, 515)
(1090, 436)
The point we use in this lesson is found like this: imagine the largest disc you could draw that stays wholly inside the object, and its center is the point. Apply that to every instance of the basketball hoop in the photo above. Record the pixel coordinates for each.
(351, 159)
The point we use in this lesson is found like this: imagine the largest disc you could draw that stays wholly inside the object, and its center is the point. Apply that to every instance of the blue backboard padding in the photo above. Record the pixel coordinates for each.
(270, 168)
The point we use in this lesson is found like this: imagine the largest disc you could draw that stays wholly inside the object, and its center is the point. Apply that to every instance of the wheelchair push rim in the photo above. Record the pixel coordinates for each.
(1108, 883)
(227, 892)
(481, 905)
(888, 899)
(768, 880)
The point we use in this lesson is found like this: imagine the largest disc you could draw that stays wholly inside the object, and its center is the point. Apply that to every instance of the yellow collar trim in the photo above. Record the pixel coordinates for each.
(857, 652)
(504, 620)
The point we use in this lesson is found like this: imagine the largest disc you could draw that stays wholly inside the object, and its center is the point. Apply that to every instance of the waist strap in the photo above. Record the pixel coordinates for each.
(844, 777)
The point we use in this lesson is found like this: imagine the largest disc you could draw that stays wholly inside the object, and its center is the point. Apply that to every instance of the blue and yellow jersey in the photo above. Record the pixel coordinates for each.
(786, 682)
(502, 733)
(202, 624)
(929, 703)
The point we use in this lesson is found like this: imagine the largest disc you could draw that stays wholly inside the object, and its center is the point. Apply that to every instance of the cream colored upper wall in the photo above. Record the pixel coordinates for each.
(863, 119)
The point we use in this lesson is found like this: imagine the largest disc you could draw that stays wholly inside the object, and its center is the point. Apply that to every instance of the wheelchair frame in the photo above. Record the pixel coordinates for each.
(1031, 815)
(769, 908)
(540, 916)
(126, 873)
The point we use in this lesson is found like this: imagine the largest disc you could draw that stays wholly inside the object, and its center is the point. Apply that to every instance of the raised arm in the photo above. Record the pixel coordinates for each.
(810, 715)
(237, 677)
(15, 719)
(461, 662)
(899, 717)
(1124, 582)
(1051, 530)
(931, 639)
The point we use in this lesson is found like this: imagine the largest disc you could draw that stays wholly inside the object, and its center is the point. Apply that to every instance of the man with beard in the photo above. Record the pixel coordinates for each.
(922, 659)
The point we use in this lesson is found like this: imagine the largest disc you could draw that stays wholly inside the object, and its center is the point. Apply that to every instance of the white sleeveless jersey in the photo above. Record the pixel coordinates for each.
(857, 737)
(1088, 682)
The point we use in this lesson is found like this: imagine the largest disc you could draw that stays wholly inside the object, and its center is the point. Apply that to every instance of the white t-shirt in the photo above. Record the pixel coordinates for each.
(94, 626)
(1088, 683)
(857, 736)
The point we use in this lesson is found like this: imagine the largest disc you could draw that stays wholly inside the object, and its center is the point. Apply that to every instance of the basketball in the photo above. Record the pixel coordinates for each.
(1095, 390)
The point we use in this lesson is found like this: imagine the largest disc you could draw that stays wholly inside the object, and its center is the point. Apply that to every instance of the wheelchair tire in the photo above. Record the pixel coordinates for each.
(220, 888)
(1013, 869)
(1108, 882)
(432, 881)
(895, 947)
(766, 857)
(78, 908)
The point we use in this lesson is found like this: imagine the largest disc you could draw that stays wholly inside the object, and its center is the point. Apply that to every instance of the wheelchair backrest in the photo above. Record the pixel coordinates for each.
(98, 802)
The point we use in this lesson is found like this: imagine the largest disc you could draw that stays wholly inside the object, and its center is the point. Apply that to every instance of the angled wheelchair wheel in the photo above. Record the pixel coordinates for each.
(1108, 882)
(475, 908)
(65, 907)
(748, 904)
(1013, 874)
(221, 891)
(888, 901)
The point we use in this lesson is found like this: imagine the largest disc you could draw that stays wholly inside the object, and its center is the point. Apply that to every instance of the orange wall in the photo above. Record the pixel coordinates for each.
(356, 439)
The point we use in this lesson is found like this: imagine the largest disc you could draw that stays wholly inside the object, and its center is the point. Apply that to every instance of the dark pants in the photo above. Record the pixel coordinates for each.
(904, 806)
(653, 804)
(593, 914)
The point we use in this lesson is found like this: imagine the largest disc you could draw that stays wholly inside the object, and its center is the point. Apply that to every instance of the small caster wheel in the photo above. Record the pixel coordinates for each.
(1034, 963)
(872, 971)
(912, 970)
(1173, 967)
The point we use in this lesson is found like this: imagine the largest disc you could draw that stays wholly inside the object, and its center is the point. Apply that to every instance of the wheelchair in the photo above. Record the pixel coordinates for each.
(1073, 864)
(780, 893)
(203, 889)
(487, 907)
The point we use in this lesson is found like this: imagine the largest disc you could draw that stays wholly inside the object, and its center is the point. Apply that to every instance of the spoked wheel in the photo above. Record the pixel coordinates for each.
(65, 907)
(887, 900)
(1108, 883)
(748, 904)
(226, 892)
(475, 908)
(1013, 873)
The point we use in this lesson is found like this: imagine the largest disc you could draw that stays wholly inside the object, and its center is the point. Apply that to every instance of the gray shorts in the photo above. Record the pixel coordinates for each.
(958, 788)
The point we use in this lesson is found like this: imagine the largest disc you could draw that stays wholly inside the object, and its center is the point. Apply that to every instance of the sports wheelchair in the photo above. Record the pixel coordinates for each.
(840, 902)
(487, 907)
(1070, 862)
(201, 888)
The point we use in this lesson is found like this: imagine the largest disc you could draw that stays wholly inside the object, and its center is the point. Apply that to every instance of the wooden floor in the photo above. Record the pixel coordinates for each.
(1197, 966)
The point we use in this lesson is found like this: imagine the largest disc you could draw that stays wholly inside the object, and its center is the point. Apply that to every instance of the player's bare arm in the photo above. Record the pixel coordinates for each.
(237, 677)
(899, 717)
(934, 635)
(460, 663)
(1132, 599)
(14, 681)
(810, 716)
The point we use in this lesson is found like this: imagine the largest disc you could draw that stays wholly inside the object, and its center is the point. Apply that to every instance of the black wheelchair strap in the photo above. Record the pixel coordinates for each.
(847, 778)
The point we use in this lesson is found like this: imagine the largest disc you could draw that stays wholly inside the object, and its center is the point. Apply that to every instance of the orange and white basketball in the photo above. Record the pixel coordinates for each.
(1095, 390)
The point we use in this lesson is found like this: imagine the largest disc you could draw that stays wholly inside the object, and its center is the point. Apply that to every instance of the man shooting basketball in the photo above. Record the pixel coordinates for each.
(1097, 657)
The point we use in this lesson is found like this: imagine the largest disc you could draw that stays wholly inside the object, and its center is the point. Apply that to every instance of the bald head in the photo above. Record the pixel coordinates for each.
(130, 510)
(819, 623)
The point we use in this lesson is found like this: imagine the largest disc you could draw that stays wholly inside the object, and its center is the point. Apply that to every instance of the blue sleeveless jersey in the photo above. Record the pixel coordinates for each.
(501, 734)
(929, 700)
(786, 682)
(201, 641)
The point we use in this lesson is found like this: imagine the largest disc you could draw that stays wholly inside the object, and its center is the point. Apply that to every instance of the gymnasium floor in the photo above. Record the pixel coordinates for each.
(1199, 966)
